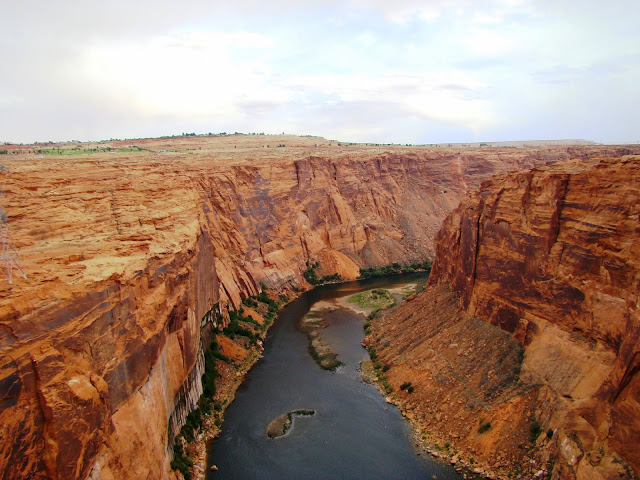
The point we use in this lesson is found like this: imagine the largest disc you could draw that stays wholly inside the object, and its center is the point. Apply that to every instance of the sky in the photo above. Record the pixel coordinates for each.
(402, 71)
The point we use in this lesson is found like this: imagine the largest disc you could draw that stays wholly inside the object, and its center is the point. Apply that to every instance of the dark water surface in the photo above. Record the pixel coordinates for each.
(354, 433)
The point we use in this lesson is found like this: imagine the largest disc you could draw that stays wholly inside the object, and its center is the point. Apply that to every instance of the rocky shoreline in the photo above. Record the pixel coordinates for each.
(368, 373)
(231, 377)
(312, 324)
(234, 374)
(422, 442)
(212, 425)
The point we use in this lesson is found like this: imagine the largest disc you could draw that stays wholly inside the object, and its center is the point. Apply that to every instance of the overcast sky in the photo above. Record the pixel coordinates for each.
(403, 71)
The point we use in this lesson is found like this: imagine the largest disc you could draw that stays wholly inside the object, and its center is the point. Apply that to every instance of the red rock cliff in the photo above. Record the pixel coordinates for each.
(552, 257)
(125, 255)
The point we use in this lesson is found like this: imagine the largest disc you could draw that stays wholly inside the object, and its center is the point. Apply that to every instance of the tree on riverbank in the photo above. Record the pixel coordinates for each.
(395, 269)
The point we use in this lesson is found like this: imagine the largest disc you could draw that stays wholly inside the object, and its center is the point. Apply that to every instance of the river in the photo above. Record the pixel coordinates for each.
(354, 433)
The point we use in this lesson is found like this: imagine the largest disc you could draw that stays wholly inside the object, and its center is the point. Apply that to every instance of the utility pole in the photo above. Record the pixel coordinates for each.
(8, 255)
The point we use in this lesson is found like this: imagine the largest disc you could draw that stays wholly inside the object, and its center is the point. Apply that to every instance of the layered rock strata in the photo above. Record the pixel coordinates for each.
(545, 261)
(126, 255)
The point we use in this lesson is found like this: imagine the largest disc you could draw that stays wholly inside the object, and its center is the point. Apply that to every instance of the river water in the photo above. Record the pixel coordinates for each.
(354, 433)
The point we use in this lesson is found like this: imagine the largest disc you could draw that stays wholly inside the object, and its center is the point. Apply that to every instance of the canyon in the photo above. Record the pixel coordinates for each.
(135, 251)
(529, 324)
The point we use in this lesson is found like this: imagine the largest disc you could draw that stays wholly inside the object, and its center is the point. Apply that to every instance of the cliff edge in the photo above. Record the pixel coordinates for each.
(134, 252)
(524, 348)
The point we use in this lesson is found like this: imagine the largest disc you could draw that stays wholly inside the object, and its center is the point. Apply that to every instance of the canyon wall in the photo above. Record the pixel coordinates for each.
(540, 268)
(347, 211)
(125, 256)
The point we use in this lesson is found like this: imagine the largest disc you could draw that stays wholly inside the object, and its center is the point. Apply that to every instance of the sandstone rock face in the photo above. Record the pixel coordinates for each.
(464, 373)
(552, 257)
(126, 254)
(344, 212)
(103, 371)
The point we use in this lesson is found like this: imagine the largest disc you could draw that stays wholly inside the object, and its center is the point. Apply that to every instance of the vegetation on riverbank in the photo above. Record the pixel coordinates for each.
(244, 330)
(247, 329)
(311, 275)
(272, 305)
(193, 423)
(373, 299)
(379, 368)
(379, 300)
(395, 269)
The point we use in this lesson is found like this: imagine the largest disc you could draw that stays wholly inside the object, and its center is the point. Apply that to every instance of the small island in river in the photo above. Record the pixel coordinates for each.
(373, 299)
(311, 324)
(364, 303)
(281, 424)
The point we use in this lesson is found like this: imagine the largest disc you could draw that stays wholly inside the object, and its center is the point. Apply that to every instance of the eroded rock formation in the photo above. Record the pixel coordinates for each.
(127, 255)
(546, 261)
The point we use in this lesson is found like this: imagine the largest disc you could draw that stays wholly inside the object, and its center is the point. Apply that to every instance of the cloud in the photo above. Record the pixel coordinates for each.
(486, 41)
(186, 73)
(376, 121)
(498, 68)
(484, 18)
(444, 95)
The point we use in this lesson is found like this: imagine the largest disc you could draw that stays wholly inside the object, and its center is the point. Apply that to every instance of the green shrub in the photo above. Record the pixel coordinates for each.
(262, 297)
(210, 372)
(484, 426)
(239, 317)
(534, 430)
(331, 278)
(234, 329)
(311, 275)
(395, 269)
(250, 302)
(387, 387)
(372, 353)
(519, 360)
(181, 462)
(405, 385)
(206, 405)
(192, 425)
(222, 357)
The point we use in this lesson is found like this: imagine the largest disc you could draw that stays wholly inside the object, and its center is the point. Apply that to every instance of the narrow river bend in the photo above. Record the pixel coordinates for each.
(354, 433)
